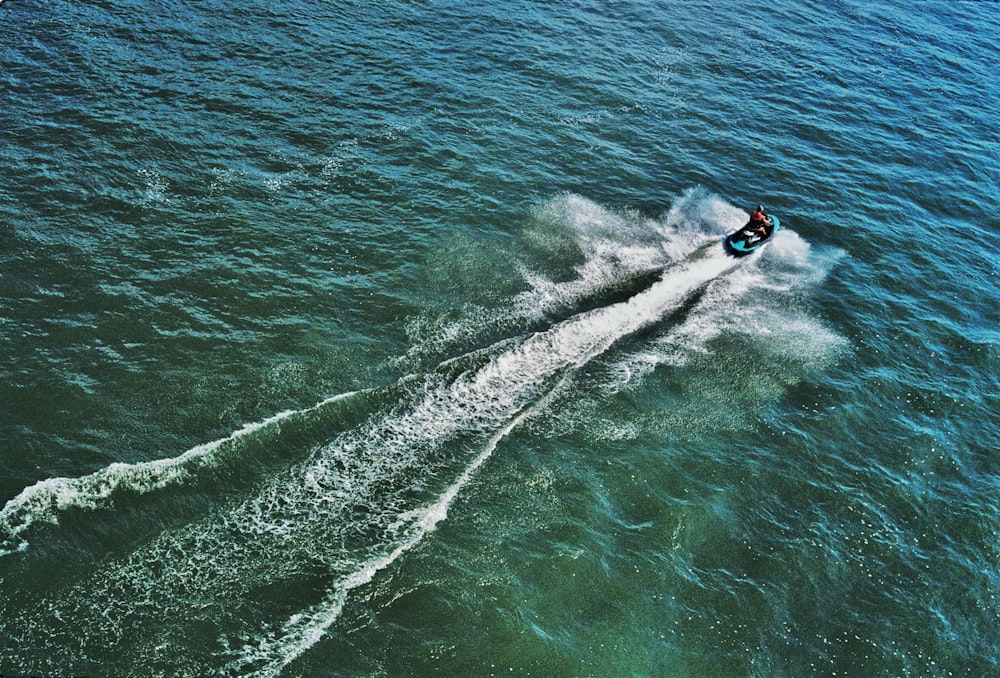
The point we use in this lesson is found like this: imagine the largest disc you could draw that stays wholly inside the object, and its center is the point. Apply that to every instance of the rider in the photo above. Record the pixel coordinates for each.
(758, 221)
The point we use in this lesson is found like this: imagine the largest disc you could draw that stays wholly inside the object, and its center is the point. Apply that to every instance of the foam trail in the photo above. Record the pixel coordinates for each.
(304, 630)
(276, 569)
(46, 499)
(498, 391)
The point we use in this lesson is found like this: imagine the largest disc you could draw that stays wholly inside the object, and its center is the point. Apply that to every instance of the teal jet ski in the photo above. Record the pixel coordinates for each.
(749, 239)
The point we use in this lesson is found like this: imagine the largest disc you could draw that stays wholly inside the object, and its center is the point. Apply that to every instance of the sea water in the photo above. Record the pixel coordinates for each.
(398, 339)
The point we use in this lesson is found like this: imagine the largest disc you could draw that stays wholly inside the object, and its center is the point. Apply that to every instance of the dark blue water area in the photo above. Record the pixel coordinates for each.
(397, 339)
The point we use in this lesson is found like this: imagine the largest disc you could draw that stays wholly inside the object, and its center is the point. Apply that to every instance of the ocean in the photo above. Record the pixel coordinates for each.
(398, 338)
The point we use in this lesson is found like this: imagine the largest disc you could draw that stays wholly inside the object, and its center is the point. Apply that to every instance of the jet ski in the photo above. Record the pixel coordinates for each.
(747, 240)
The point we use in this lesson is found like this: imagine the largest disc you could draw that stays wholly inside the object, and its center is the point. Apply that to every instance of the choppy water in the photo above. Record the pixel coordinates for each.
(398, 339)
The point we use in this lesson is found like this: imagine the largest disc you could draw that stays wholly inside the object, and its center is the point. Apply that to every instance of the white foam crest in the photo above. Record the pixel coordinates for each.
(753, 301)
(697, 211)
(585, 336)
(615, 247)
(357, 504)
(485, 399)
(271, 654)
(47, 499)
(607, 266)
(705, 321)
(478, 401)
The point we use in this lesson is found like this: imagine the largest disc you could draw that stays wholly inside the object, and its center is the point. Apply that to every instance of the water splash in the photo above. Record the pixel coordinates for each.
(46, 500)
(274, 567)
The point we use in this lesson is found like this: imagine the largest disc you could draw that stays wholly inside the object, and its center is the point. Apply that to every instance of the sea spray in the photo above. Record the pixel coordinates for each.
(355, 505)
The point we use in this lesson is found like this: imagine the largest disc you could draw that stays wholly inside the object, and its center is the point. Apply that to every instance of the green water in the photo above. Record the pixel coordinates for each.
(399, 339)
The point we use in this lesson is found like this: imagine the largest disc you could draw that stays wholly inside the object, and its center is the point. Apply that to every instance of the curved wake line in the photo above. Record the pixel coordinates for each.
(305, 629)
(499, 392)
(44, 500)
(349, 511)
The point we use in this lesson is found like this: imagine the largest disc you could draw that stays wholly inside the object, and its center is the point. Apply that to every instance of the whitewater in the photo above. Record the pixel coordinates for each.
(356, 504)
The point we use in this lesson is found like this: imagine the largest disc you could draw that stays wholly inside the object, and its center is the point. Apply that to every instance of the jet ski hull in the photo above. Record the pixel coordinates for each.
(744, 242)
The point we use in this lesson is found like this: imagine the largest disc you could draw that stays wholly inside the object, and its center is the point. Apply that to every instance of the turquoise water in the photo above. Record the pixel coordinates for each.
(398, 339)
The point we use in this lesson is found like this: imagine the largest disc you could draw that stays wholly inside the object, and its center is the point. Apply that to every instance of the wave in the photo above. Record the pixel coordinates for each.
(46, 500)
(497, 397)
(271, 568)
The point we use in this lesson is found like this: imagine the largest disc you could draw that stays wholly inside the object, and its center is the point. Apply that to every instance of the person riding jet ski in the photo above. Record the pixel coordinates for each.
(753, 235)
(756, 228)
